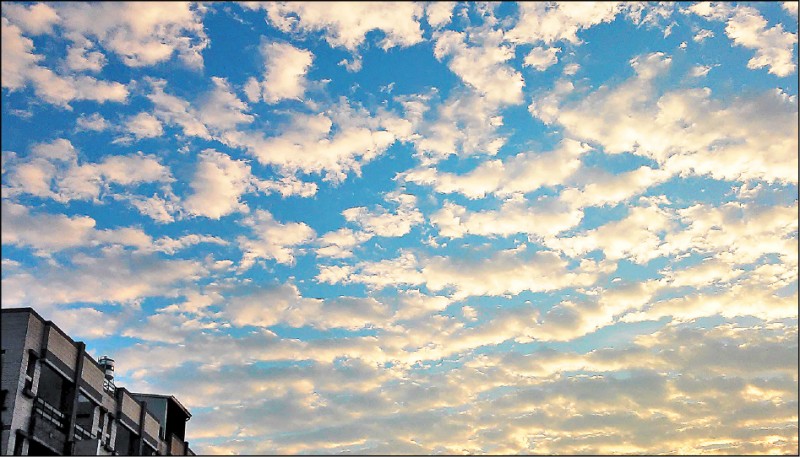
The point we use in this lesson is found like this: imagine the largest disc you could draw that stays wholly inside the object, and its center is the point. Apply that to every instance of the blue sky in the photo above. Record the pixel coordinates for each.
(417, 227)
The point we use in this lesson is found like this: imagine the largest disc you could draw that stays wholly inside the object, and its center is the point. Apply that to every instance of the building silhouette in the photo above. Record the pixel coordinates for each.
(58, 400)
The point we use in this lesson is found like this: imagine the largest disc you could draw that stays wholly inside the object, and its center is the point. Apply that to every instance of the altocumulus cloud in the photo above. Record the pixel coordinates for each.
(542, 228)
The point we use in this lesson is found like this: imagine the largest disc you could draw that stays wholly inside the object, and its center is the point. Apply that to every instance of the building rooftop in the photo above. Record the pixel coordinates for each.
(168, 397)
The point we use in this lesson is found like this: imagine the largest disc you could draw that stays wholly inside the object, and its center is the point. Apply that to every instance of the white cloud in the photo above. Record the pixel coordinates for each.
(636, 237)
(354, 65)
(20, 68)
(144, 125)
(54, 171)
(460, 128)
(81, 57)
(335, 142)
(220, 109)
(217, 185)
(502, 273)
(167, 328)
(85, 182)
(133, 168)
(140, 34)
(44, 231)
(173, 110)
(284, 76)
(340, 243)
(172, 245)
(559, 22)
(194, 303)
(750, 137)
(273, 240)
(595, 187)
(33, 19)
(439, 14)
(711, 363)
(708, 272)
(545, 217)
(88, 322)
(658, 15)
(215, 112)
(542, 58)
(774, 46)
(702, 35)
(736, 232)
(383, 223)
(698, 71)
(283, 304)
(482, 66)
(377, 222)
(33, 177)
(60, 150)
(287, 186)
(413, 304)
(571, 68)
(60, 90)
(94, 122)
(157, 208)
(492, 390)
(18, 57)
(347, 23)
(115, 276)
(522, 173)
(80, 182)
(739, 300)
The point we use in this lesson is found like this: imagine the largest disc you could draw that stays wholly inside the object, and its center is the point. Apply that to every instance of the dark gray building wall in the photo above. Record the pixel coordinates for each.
(18, 334)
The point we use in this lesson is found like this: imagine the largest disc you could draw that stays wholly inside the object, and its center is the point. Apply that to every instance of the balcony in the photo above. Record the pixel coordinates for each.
(48, 425)
(83, 434)
(49, 413)
(176, 445)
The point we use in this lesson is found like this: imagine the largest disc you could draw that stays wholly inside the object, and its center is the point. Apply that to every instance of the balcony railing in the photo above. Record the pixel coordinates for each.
(52, 415)
(108, 386)
(176, 446)
(83, 434)
(49, 413)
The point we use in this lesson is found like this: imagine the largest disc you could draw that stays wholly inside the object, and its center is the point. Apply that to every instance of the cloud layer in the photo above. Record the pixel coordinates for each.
(441, 227)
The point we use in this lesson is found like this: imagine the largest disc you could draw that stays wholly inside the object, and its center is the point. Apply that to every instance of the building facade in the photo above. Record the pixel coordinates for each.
(58, 400)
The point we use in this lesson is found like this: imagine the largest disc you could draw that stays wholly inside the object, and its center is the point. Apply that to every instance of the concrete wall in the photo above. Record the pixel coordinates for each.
(62, 348)
(131, 409)
(21, 331)
(151, 426)
(12, 341)
(93, 376)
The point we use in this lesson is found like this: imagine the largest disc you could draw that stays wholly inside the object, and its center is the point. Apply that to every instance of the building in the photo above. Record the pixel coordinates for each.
(58, 400)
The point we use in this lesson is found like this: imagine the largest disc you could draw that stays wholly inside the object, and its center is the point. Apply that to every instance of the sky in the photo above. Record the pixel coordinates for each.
(408, 228)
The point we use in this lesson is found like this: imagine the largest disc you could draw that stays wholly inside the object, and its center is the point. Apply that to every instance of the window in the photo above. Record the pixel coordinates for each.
(30, 372)
(102, 423)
